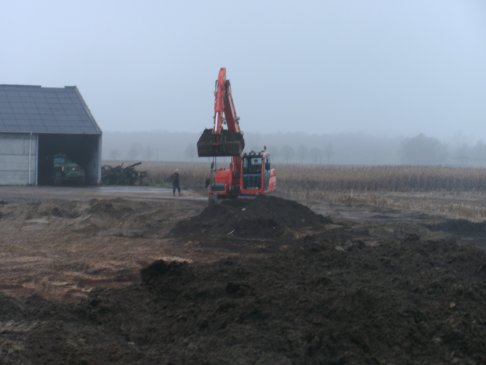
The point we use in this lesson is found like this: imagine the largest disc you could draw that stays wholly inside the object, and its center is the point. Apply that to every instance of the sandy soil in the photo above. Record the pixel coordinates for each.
(62, 248)
(61, 243)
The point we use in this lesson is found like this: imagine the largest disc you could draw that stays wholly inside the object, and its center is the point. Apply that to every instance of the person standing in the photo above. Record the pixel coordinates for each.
(176, 182)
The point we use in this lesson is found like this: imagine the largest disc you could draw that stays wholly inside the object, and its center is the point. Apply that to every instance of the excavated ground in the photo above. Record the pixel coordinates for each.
(265, 217)
(274, 283)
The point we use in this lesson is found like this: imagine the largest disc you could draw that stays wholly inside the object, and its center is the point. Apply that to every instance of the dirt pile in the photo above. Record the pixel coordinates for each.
(410, 302)
(35, 210)
(120, 217)
(460, 227)
(61, 249)
(263, 217)
(105, 217)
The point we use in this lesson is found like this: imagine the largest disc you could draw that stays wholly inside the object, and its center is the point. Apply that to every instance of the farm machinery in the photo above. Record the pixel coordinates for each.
(122, 175)
(248, 174)
(66, 171)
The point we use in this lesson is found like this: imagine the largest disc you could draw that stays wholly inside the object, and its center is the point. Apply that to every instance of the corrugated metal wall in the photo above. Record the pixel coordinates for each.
(18, 159)
(93, 170)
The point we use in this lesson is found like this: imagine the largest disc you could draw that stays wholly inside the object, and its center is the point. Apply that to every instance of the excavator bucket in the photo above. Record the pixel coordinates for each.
(225, 144)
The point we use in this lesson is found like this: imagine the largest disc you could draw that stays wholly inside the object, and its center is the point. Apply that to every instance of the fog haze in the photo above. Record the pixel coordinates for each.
(386, 68)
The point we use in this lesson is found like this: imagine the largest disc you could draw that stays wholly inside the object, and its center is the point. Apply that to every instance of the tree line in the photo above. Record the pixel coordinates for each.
(301, 148)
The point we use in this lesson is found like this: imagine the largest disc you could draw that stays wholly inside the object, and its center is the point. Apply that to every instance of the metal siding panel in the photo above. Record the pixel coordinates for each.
(13, 144)
(14, 178)
(100, 149)
(33, 140)
(16, 168)
(36, 161)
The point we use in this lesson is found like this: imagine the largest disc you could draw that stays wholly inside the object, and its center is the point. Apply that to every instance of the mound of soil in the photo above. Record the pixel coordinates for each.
(461, 227)
(33, 210)
(114, 208)
(104, 217)
(409, 302)
(262, 217)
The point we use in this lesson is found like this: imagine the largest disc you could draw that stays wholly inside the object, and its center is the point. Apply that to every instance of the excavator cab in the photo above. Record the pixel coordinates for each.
(249, 175)
(257, 173)
(252, 170)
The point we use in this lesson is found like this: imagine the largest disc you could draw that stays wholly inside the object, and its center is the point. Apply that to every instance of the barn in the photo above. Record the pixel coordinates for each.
(37, 123)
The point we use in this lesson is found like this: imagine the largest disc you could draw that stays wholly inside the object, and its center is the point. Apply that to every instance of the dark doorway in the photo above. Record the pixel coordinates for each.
(82, 149)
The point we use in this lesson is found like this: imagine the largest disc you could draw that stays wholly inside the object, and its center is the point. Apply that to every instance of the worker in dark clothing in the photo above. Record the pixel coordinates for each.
(176, 180)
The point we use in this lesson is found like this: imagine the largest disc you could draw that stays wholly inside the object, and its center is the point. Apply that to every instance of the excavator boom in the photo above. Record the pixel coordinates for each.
(218, 141)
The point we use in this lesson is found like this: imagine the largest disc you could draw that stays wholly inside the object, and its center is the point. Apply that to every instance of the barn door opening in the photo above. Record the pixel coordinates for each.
(58, 151)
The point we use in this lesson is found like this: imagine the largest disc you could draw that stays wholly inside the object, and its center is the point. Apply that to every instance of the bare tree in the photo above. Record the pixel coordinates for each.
(149, 152)
(316, 155)
(288, 153)
(135, 151)
(423, 150)
(114, 154)
(329, 152)
(190, 153)
(302, 153)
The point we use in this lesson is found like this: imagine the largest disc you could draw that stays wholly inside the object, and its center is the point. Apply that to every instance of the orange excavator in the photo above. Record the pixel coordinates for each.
(248, 174)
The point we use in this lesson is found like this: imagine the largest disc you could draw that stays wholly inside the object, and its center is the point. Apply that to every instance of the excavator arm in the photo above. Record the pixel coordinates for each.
(224, 108)
(219, 141)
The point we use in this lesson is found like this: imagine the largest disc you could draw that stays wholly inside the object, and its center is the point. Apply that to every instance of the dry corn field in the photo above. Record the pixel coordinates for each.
(315, 180)
(447, 191)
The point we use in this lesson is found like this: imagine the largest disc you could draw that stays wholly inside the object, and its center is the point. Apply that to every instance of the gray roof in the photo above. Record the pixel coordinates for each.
(36, 109)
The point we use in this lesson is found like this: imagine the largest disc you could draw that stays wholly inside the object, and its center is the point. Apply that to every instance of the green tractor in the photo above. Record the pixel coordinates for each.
(67, 172)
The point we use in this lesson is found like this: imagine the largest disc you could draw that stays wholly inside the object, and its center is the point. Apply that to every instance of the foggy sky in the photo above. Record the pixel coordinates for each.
(384, 67)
